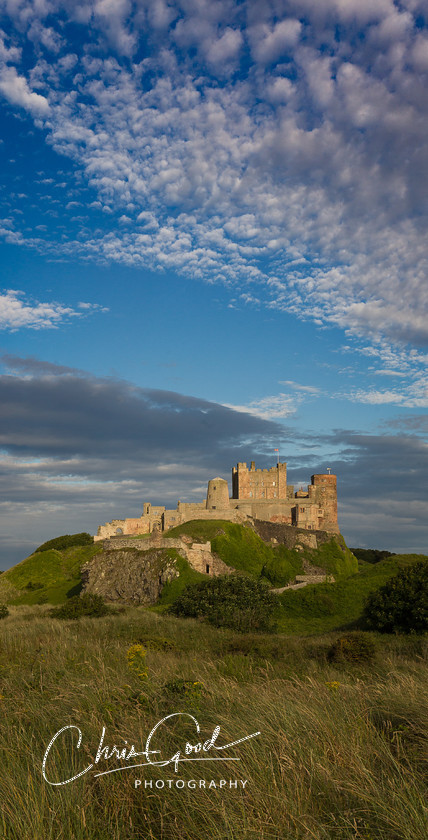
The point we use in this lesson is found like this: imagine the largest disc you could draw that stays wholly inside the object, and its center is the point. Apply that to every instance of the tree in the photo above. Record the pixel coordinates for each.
(234, 601)
(401, 605)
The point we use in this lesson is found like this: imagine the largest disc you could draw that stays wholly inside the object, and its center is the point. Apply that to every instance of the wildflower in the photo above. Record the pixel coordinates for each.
(136, 658)
(333, 686)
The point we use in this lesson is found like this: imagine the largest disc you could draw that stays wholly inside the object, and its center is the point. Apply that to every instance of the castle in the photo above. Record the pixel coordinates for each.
(256, 494)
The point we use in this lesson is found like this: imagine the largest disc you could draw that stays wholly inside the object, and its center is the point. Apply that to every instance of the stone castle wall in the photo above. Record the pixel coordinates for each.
(256, 494)
(198, 555)
(259, 484)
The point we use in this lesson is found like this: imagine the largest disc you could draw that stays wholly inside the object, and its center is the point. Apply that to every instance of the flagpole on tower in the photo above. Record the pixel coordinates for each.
(277, 457)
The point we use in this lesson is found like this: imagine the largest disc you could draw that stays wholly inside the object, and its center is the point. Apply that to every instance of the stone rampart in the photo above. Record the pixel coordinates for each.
(198, 555)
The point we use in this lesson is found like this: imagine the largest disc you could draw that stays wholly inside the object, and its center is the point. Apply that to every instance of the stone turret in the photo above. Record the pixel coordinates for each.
(217, 494)
(323, 490)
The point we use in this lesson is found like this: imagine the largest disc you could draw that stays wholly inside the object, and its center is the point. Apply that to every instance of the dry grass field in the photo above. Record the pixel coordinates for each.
(342, 750)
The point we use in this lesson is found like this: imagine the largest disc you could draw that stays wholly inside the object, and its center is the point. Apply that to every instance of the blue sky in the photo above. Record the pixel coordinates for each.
(213, 244)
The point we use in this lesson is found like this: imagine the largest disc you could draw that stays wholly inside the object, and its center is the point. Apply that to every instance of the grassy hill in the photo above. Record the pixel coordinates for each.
(49, 576)
(314, 609)
(242, 549)
(329, 606)
(52, 574)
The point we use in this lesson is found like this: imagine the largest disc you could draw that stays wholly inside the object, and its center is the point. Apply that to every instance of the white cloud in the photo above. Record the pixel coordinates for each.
(420, 53)
(226, 47)
(8, 54)
(271, 43)
(377, 397)
(302, 177)
(17, 313)
(270, 408)
(309, 389)
(413, 394)
(386, 372)
(15, 88)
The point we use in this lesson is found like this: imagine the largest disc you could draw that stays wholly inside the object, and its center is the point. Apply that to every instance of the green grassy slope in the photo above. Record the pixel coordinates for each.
(174, 588)
(242, 549)
(46, 577)
(237, 545)
(285, 563)
(51, 576)
(329, 606)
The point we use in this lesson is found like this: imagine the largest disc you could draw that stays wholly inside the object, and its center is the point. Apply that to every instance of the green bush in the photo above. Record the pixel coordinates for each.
(66, 541)
(370, 555)
(354, 647)
(401, 605)
(4, 612)
(283, 566)
(180, 689)
(79, 605)
(233, 601)
(158, 643)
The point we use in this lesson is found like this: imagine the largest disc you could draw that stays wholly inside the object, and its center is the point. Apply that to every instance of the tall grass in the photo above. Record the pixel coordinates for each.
(342, 750)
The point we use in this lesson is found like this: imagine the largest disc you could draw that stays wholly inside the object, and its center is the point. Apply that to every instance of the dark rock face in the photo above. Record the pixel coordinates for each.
(136, 577)
(289, 535)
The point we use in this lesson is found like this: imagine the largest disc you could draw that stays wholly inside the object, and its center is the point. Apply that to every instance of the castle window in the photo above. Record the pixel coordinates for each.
(302, 510)
(119, 531)
(207, 569)
(251, 494)
(273, 484)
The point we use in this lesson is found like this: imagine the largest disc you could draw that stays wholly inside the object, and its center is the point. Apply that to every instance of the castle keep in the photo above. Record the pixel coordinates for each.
(256, 494)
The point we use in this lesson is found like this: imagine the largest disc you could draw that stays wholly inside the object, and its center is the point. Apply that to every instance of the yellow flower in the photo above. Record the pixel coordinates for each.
(333, 686)
(136, 657)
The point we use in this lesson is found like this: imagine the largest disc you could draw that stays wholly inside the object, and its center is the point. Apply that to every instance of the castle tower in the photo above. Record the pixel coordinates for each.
(217, 494)
(259, 484)
(323, 489)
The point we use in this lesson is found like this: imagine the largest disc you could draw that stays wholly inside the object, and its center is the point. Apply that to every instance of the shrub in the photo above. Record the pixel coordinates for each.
(370, 555)
(233, 601)
(283, 566)
(401, 605)
(188, 692)
(77, 606)
(354, 647)
(66, 541)
(158, 643)
(4, 612)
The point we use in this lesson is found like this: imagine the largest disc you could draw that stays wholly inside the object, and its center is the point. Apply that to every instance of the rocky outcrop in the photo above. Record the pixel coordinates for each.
(130, 575)
(289, 535)
(135, 569)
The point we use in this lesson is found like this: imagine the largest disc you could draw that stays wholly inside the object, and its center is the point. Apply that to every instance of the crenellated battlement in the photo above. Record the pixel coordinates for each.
(256, 494)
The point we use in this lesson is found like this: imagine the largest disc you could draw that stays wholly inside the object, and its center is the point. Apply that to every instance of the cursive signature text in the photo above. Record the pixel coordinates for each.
(191, 752)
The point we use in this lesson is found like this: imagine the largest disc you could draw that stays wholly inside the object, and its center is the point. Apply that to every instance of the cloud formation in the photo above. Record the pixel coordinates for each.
(77, 451)
(16, 312)
(280, 148)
